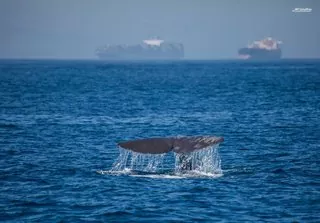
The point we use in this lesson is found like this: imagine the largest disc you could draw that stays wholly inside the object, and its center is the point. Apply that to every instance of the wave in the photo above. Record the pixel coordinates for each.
(150, 119)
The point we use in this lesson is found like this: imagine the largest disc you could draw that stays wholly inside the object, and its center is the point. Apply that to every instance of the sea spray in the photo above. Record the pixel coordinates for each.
(137, 161)
(121, 161)
(206, 160)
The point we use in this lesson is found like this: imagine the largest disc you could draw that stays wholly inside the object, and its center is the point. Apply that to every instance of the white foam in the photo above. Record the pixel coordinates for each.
(125, 171)
(191, 174)
(157, 176)
(176, 175)
(197, 174)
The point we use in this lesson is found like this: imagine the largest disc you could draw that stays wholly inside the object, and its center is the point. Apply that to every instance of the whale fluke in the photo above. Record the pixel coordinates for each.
(151, 145)
(184, 144)
(190, 144)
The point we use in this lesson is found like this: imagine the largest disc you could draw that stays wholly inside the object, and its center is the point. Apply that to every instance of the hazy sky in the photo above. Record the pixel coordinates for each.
(209, 29)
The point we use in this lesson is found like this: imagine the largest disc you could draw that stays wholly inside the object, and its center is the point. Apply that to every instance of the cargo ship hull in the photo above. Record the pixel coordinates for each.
(260, 54)
(150, 55)
(265, 49)
(149, 50)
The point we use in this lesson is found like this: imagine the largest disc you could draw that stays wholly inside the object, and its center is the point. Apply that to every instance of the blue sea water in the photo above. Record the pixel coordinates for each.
(60, 122)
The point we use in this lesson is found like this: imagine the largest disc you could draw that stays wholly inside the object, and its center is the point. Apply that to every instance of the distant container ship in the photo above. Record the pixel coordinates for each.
(265, 49)
(150, 49)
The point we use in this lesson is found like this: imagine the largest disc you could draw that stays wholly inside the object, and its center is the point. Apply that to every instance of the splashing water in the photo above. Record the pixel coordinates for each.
(137, 161)
(204, 161)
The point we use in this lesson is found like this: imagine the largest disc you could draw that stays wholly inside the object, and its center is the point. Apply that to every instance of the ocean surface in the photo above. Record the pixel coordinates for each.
(60, 122)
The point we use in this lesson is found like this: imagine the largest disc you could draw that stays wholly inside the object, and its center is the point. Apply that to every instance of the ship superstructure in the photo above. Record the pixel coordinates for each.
(265, 49)
(149, 49)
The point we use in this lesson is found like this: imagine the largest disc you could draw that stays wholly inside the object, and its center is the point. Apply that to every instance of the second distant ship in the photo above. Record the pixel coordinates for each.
(150, 49)
(265, 49)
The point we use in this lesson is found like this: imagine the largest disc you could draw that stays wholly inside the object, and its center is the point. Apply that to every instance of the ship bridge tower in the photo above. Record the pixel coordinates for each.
(156, 41)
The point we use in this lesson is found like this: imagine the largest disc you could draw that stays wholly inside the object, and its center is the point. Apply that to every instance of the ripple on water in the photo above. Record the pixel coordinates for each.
(60, 121)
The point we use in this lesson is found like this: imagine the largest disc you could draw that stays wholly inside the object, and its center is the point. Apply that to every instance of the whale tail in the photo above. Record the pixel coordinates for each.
(184, 144)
